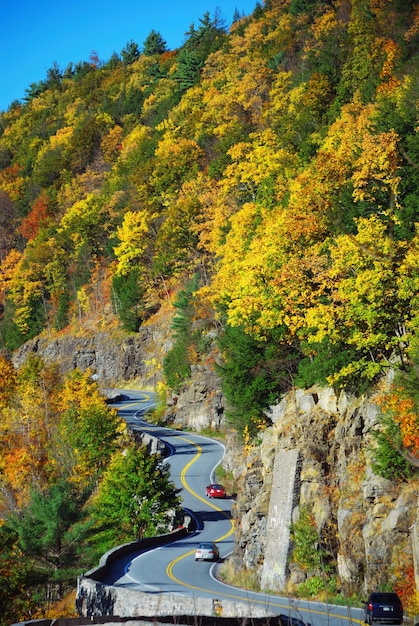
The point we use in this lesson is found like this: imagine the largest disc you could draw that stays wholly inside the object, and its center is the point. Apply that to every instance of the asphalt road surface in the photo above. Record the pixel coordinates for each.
(172, 568)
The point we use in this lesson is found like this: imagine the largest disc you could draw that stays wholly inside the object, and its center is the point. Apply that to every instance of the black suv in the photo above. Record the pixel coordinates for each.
(383, 607)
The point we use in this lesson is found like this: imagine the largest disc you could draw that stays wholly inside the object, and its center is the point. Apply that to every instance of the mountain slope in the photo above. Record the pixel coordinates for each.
(260, 183)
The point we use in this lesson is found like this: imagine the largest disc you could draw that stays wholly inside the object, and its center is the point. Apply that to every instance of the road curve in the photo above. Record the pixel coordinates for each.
(172, 568)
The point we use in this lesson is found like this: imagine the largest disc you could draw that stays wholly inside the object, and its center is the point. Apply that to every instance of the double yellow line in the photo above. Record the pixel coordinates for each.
(272, 601)
(169, 569)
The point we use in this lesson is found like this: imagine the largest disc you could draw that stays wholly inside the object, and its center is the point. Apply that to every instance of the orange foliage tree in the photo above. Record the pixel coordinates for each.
(37, 218)
(403, 410)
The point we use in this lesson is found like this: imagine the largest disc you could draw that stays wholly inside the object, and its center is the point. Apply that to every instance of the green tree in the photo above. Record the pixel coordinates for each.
(154, 44)
(54, 77)
(46, 529)
(128, 299)
(305, 537)
(16, 577)
(136, 498)
(303, 6)
(85, 142)
(130, 53)
(176, 364)
(388, 461)
(188, 68)
(34, 90)
(200, 43)
(253, 374)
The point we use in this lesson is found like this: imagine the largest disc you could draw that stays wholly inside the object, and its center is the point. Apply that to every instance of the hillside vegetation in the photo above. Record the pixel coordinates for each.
(263, 177)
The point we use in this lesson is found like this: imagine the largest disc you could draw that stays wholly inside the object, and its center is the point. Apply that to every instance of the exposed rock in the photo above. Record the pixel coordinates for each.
(200, 405)
(370, 518)
(113, 357)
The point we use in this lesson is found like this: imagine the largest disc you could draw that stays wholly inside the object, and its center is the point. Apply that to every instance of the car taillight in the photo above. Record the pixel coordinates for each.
(370, 606)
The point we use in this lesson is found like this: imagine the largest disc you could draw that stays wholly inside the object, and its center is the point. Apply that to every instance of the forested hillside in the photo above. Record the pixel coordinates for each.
(264, 178)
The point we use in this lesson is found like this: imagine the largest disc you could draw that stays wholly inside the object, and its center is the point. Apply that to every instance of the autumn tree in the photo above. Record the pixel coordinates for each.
(128, 280)
(176, 241)
(177, 160)
(391, 459)
(363, 310)
(27, 428)
(396, 449)
(26, 293)
(7, 224)
(8, 381)
(37, 218)
(324, 46)
(88, 429)
(111, 144)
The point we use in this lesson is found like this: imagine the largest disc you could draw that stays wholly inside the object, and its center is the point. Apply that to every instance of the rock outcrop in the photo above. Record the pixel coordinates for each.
(363, 520)
(200, 406)
(114, 357)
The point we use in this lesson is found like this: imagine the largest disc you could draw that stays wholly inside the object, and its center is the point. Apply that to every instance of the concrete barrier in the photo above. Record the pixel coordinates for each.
(141, 545)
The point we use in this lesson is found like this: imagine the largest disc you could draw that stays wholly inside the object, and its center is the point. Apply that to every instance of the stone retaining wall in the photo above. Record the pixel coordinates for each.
(284, 497)
(98, 599)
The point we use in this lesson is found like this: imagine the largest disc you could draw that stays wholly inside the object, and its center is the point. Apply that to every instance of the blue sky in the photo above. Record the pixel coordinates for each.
(35, 34)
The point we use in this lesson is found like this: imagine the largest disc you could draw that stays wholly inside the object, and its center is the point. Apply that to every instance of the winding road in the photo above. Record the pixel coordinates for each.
(172, 568)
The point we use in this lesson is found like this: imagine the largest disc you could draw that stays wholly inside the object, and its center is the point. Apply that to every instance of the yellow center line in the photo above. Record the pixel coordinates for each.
(169, 569)
(147, 396)
(271, 602)
(191, 491)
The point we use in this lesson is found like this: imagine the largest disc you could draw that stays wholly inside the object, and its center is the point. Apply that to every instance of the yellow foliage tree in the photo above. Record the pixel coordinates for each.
(363, 308)
(133, 235)
(88, 429)
(111, 144)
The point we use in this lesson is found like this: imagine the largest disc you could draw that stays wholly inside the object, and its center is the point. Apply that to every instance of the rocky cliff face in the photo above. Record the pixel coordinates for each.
(363, 520)
(114, 357)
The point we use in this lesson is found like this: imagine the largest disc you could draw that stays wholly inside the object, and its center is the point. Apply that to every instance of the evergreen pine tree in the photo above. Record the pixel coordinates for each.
(154, 44)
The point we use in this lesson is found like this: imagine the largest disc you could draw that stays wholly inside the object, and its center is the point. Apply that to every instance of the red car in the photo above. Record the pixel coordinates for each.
(216, 491)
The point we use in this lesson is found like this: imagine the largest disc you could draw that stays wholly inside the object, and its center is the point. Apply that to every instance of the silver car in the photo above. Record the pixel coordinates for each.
(207, 551)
